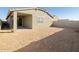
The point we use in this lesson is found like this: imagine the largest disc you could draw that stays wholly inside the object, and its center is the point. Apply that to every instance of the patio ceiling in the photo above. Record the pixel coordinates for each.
(23, 14)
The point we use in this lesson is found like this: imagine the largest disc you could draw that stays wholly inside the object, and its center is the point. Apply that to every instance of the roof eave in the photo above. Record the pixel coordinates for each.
(11, 11)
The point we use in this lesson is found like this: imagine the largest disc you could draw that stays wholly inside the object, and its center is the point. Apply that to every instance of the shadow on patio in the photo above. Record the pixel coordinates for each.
(63, 41)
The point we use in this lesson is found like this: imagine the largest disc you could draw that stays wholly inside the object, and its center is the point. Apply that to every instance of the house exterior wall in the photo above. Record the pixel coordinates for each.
(46, 20)
(42, 20)
(66, 24)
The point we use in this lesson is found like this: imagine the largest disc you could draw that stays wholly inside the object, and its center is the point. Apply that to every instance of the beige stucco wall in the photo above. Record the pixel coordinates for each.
(65, 23)
(47, 20)
(27, 21)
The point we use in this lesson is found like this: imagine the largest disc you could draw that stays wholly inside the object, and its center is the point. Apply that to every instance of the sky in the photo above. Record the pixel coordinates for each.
(71, 13)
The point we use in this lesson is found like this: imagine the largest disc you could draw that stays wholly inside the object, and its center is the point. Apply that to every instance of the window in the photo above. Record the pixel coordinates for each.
(40, 19)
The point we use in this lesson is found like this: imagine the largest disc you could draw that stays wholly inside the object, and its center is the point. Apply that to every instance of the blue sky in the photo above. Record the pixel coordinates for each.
(62, 12)
(3, 12)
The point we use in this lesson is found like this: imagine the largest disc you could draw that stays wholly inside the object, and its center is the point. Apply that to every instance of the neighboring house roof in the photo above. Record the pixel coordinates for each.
(21, 9)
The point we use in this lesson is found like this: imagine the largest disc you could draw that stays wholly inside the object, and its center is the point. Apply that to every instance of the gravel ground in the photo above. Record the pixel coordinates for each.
(52, 39)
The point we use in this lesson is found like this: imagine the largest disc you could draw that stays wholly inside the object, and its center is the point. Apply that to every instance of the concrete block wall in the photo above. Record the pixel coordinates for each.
(66, 24)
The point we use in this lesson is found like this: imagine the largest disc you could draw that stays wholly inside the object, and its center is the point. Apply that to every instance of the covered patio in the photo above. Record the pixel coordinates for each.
(24, 21)
(20, 21)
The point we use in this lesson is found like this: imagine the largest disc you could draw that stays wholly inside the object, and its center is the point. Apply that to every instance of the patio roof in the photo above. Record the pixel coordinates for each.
(21, 9)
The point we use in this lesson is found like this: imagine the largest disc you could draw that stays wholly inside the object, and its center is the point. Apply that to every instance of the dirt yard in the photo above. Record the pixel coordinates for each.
(52, 39)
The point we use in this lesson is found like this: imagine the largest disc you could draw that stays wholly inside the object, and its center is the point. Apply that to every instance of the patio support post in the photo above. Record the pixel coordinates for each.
(15, 20)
